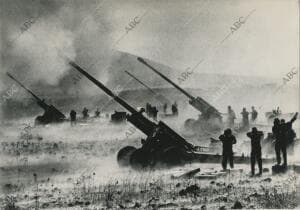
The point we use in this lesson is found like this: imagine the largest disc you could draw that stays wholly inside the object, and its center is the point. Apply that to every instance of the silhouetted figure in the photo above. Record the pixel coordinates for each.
(285, 137)
(165, 107)
(148, 109)
(245, 117)
(97, 113)
(277, 136)
(290, 134)
(231, 117)
(85, 113)
(254, 114)
(255, 137)
(228, 140)
(154, 112)
(73, 117)
(174, 108)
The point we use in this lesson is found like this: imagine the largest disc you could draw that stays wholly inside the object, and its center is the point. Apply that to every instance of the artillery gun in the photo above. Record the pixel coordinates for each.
(51, 114)
(163, 146)
(209, 114)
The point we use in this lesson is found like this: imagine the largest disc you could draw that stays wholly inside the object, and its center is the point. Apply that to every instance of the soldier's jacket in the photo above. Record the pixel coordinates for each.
(255, 139)
(227, 141)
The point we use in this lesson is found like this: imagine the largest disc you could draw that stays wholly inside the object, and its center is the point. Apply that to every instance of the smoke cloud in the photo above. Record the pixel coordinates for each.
(41, 49)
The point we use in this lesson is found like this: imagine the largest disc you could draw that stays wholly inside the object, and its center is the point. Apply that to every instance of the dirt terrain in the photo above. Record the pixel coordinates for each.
(59, 166)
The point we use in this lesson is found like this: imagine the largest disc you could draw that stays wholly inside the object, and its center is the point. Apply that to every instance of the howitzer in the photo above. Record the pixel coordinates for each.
(206, 109)
(51, 113)
(163, 145)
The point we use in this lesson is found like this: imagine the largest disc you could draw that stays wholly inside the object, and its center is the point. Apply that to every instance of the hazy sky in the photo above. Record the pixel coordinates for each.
(182, 33)
(176, 33)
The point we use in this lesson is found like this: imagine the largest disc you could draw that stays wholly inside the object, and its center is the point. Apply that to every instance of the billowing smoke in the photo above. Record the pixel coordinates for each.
(41, 49)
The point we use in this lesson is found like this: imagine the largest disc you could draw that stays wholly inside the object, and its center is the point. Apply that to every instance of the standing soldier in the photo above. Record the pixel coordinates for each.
(285, 137)
(97, 113)
(254, 114)
(276, 135)
(255, 137)
(231, 117)
(165, 107)
(227, 140)
(245, 116)
(174, 109)
(154, 113)
(73, 117)
(85, 113)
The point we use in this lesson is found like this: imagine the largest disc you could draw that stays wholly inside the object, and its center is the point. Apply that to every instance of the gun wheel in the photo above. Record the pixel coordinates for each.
(124, 154)
(141, 159)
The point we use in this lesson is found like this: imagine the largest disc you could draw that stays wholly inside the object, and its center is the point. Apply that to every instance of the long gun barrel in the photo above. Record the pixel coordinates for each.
(105, 89)
(40, 102)
(166, 78)
(29, 91)
(139, 81)
(49, 109)
(198, 103)
(137, 118)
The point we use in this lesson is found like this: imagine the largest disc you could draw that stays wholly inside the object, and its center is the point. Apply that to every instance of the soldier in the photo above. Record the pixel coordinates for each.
(276, 135)
(165, 107)
(97, 113)
(285, 136)
(254, 114)
(148, 109)
(255, 137)
(289, 132)
(73, 117)
(154, 112)
(231, 117)
(245, 116)
(174, 109)
(227, 140)
(85, 113)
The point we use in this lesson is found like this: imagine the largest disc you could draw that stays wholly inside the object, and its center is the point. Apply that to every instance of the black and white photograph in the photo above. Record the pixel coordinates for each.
(149, 104)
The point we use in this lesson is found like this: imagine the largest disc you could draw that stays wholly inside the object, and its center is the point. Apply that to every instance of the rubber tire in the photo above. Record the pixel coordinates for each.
(123, 156)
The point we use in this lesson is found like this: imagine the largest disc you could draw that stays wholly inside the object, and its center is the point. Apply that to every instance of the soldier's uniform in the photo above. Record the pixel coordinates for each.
(85, 113)
(174, 109)
(228, 140)
(73, 117)
(285, 137)
(231, 117)
(276, 135)
(254, 114)
(245, 116)
(255, 137)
